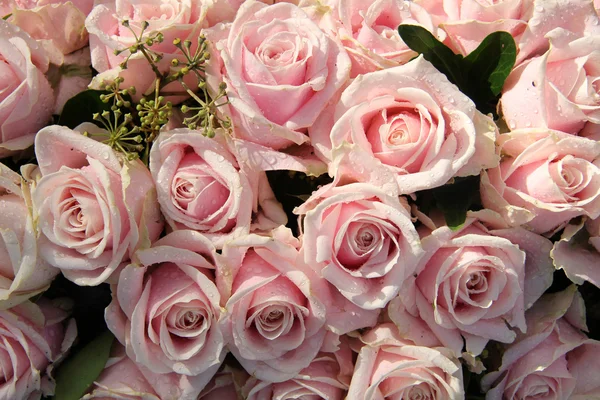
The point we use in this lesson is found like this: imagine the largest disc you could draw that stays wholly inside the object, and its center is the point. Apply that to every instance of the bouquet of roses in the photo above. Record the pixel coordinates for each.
(313, 199)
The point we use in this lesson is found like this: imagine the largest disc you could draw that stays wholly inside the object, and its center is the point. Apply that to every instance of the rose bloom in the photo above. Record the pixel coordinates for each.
(172, 18)
(93, 207)
(23, 273)
(278, 309)
(165, 308)
(26, 98)
(559, 89)
(124, 379)
(468, 22)
(280, 70)
(327, 377)
(368, 31)
(390, 366)
(201, 185)
(33, 337)
(475, 278)
(545, 179)
(554, 360)
(41, 18)
(578, 258)
(361, 240)
(409, 121)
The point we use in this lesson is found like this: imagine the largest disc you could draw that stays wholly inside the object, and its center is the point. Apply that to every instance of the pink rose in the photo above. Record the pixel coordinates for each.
(8, 6)
(577, 252)
(26, 98)
(554, 360)
(201, 185)
(471, 283)
(42, 20)
(34, 336)
(468, 22)
(559, 89)
(277, 307)
(369, 31)
(327, 377)
(173, 18)
(390, 366)
(23, 273)
(361, 240)
(280, 70)
(545, 178)
(122, 378)
(94, 208)
(409, 121)
(165, 308)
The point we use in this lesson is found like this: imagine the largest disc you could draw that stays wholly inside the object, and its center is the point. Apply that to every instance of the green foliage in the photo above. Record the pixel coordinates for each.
(78, 372)
(82, 107)
(480, 75)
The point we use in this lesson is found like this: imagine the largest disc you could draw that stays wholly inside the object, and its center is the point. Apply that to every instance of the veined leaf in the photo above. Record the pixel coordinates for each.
(78, 372)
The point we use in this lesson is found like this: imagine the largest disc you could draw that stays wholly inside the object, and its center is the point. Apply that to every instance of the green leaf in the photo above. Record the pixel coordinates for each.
(491, 62)
(456, 198)
(78, 372)
(7, 16)
(443, 59)
(81, 108)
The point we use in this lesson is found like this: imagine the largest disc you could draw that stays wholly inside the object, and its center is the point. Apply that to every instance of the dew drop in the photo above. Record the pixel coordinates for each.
(512, 124)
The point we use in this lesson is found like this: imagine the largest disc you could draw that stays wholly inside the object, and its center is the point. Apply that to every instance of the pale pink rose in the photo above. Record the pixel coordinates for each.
(124, 379)
(280, 70)
(327, 377)
(468, 22)
(8, 6)
(43, 20)
(577, 252)
(470, 285)
(361, 240)
(390, 366)
(203, 185)
(26, 98)
(165, 308)
(173, 18)
(23, 273)
(409, 121)
(226, 385)
(554, 360)
(368, 30)
(558, 90)
(545, 178)
(278, 309)
(94, 207)
(34, 336)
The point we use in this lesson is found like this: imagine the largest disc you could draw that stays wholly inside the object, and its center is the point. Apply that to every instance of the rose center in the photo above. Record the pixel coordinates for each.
(190, 320)
(194, 189)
